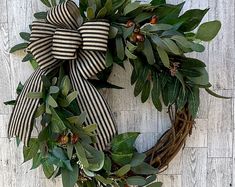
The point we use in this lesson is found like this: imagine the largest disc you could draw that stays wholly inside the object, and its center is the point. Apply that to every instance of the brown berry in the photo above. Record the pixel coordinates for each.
(63, 139)
(74, 138)
(130, 24)
(154, 20)
(140, 37)
(133, 38)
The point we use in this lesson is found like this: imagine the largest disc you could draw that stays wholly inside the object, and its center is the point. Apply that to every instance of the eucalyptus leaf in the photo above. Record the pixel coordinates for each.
(27, 57)
(131, 7)
(208, 31)
(148, 51)
(25, 36)
(40, 15)
(156, 91)
(31, 150)
(19, 47)
(120, 48)
(34, 95)
(163, 56)
(155, 184)
(69, 178)
(101, 14)
(123, 170)
(48, 169)
(81, 155)
(46, 2)
(129, 54)
(51, 101)
(57, 123)
(146, 92)
(193, 101)
(136, 180)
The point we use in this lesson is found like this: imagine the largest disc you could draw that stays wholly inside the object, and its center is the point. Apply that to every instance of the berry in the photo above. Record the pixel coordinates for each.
(154, 20)
(63, 139)
(74, 138)
(130, 23)
(140, 37)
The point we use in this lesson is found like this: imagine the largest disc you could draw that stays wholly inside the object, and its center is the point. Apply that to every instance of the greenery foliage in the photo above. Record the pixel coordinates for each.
(155, 38)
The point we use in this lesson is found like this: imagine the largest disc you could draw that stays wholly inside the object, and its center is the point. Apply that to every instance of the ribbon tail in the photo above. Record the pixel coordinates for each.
(97, 110)
(20, 124)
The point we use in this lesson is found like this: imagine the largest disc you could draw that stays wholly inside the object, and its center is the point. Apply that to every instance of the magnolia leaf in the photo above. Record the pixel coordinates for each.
(182, 41)
(156, 92)
(181, 79)
(203, 79)
(131, 7)
(172, 46)
(123, 170)
(136, 180)
(193, 101)
(164, 57)
(69, 178)
(19, 47)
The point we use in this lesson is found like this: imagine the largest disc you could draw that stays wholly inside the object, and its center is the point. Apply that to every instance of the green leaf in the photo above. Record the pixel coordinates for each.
(157, 2)
(65, 86)
(48, 169)
(40, 15)
(144, 169)
(191, 19)
(34, 95)
(19, 47)
(182, 99)
(122, 158)
(173, 90)
(131, 7)
(124, 142)
(81, 155)
(208, 31)
(32, 149)
(192, 63)
(113, 32)
(146, 92)
(203, 79)
(78, 120)
(101, 14)
(190, 72)
(90, 128)
(193, 101)
(136, 180)
(197, 47)
(53, 2)
(11, 102)
(215, 94)
(19, 88)
(72, 96)
(120, 48)
(181, 79)
(127, 31)
(37, 160)
(27, 57)
(70, 150)
(131, 46)
(69, 178)
(34, 64)
(108, 5)
(51, 101)
(156, 27)
(155, 184)
(164, 57)
(25, 36)
(40, 110)
(109, 58)
(156, 92)
(142, 17)
(107, 164)
(123, 170)
(57, 123)
(54, 89)
(129, 54)
(46, 2)
(148, 51)
(182, 41)
(172, 46)
(137, 159)
(103, 180)
(90, 13)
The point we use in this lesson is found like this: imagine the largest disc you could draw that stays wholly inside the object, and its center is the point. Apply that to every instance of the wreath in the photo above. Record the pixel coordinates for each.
(73, 50)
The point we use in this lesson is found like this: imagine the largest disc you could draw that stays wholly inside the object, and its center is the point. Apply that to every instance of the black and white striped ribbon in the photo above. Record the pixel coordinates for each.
(84, 46)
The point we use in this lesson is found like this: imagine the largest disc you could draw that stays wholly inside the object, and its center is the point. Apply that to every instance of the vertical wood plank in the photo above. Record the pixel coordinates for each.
(220, 126)
(219, 172)
(170, 180)
(194, 167)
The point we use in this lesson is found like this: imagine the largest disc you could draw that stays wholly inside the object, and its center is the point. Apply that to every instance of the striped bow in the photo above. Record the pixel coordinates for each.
(83, 45)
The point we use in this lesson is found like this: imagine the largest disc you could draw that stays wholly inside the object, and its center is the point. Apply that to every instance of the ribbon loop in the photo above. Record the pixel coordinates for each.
(65, 44)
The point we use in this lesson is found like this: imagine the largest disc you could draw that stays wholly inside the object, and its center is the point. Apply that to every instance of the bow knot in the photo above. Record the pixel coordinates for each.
(65, 37)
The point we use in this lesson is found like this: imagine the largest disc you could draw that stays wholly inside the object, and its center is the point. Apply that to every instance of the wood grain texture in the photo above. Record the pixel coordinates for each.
(207, 160)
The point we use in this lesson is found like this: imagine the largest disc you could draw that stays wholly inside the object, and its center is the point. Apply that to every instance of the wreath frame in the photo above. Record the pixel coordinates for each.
(182, 113)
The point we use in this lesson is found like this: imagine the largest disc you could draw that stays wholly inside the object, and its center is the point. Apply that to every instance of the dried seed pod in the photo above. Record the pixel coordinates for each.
(63, 139)
(130, 23)
(74, 138)
(154, 20)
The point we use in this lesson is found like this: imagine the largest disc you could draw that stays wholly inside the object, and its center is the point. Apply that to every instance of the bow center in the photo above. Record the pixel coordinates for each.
(65, 44)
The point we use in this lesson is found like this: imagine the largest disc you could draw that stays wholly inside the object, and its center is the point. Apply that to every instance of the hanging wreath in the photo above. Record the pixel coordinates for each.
(68, 46)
